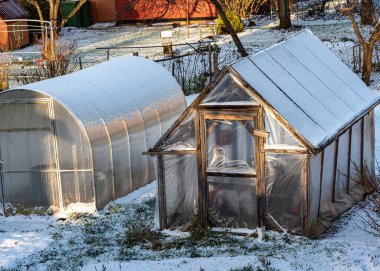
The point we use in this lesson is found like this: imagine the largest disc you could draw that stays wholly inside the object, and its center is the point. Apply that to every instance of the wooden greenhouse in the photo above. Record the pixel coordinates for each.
(274, 139)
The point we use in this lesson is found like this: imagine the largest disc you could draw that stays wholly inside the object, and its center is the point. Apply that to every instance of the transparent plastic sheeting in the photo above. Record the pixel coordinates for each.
(341, 197)
(369, 142)
(355, 154)
(105, 117)
(284, 174)
(232, 202)
(181, 189)
(230, 147)
(337, 195)
(278, 136)
(183, 137)
(228, 91)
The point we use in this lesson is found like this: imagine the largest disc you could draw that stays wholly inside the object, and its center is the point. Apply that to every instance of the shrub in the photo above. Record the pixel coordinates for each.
(235, 21)
(368, 181)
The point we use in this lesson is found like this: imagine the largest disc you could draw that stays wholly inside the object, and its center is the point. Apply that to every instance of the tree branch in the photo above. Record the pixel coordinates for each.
(348, 12)
(41, 16)
(72, 13)
(232, 31)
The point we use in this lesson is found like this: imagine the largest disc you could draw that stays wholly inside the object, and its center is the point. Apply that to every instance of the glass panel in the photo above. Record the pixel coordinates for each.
(283, 176)
(226, 91)
(232, 202)
(230, 147)
(183, 138)
(181, 184)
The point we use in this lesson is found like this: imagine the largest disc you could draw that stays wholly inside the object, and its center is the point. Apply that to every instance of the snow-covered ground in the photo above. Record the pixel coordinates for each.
(98, 240)
(93, 242)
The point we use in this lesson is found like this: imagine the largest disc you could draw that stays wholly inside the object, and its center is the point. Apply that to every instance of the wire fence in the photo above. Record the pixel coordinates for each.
(194, 65)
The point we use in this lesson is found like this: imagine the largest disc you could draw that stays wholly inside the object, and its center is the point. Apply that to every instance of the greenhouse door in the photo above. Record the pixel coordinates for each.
(231, 166)
(28, 151)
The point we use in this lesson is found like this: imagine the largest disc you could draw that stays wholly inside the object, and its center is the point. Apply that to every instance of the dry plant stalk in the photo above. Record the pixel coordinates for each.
(368, 182)
(368, 46)
(50, 68)
(49, 46)
(4, 73)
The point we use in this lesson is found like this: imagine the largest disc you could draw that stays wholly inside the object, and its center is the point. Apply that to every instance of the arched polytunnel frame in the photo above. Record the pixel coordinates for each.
(122, 107)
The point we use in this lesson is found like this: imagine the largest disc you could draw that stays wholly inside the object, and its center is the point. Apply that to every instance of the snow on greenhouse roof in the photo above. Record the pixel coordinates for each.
(119, 85)
(308, 86)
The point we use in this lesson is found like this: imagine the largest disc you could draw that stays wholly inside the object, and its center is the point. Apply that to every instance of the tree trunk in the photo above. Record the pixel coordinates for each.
(367, 13)
(227, 23)
(367, 63)
(284, 14)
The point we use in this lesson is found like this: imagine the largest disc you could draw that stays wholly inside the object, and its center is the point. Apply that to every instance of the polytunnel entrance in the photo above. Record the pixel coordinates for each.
(232, 166)
(28, 151)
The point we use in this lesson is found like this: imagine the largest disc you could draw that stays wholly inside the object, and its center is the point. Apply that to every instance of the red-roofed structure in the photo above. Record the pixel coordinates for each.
(146, 10)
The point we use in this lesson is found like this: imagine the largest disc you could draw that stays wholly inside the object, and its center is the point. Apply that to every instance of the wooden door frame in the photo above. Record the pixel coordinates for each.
(254, 113)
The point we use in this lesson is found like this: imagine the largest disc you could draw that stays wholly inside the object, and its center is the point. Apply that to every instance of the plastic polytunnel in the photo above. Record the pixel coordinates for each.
(79, 138)
(278, 139)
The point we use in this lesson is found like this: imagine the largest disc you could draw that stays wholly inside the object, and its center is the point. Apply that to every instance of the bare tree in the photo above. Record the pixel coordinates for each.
(284, 14)
(367, 12)
(367, 45)
(54, 6)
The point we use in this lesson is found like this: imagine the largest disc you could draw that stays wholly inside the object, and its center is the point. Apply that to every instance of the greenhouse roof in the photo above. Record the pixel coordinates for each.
(308, 87)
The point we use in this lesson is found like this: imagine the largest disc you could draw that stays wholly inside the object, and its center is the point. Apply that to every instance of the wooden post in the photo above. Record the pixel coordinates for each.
(201, 168)
(305, 197)
(260, 179)
(335, 167)
(216, 59)
(210, 61)
(80, 63)
(161, 192)
(349, 160)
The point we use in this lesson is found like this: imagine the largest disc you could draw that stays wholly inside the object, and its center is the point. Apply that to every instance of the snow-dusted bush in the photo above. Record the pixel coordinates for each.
(235, 21)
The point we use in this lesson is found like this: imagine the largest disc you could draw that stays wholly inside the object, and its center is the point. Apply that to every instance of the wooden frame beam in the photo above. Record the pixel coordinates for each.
(179, 152)
(161, 191)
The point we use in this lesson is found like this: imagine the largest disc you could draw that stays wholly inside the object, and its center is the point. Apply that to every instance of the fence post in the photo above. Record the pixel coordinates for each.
(360, 59)
(216, 59)
(80, 63)
(173, 67)
(210, 61)
(108, 54)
